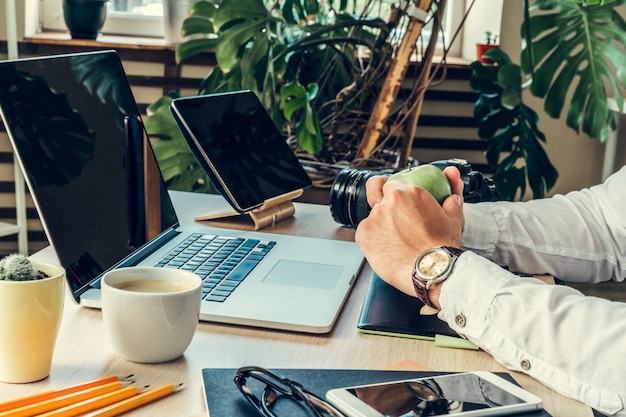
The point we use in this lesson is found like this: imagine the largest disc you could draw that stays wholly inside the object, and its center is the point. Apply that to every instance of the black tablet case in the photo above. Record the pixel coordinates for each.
(224, 399)
(387, 310)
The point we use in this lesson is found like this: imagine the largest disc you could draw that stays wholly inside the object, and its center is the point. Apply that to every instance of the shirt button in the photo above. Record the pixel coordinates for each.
(525, 364)
(460, 320)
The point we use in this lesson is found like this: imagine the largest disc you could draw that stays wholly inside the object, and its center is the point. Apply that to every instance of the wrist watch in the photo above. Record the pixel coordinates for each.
(432, 266)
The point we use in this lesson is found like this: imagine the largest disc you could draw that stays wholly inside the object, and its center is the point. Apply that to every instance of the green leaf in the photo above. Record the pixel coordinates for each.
(296, 99)
(510, 79)
(197, 25)
(193, 47)
(578, 48)
(514, 148)
(179, 167)
(238, 22)
(293, 12)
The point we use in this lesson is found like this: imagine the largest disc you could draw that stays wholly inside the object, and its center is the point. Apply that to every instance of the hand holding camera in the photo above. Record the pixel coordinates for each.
(348, 198)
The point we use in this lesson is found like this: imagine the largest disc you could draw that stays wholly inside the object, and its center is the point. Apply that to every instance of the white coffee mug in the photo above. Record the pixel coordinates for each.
(150, 314)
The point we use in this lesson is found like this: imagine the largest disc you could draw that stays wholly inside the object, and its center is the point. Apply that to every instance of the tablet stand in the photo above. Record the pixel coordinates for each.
(271, 212)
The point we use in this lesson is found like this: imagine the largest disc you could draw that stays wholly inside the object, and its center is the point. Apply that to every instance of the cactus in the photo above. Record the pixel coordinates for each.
(18, 267)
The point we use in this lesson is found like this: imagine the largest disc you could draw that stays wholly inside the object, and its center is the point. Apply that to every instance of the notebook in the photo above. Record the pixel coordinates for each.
(78, 136)
(384, 312)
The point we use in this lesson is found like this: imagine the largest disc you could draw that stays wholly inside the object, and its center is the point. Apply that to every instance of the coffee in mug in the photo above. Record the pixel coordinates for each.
(150, 314)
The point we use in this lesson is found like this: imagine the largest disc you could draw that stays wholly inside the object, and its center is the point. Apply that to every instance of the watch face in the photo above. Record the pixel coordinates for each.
(433, 263)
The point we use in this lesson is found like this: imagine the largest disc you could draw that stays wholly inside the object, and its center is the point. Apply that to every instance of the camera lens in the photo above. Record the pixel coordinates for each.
(348, 199)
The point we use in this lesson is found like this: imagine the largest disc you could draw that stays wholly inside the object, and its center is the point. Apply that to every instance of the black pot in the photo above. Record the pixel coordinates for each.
(84, 18)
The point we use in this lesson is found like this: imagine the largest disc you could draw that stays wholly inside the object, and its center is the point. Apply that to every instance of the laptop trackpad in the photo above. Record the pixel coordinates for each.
(304, 274)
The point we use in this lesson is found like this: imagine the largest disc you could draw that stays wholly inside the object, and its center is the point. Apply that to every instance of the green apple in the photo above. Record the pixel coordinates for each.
(429, 177)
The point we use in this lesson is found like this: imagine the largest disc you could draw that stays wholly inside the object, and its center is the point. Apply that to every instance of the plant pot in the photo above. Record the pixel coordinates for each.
(30, 316)
(174, 13)
(481, 48)
(84, 18)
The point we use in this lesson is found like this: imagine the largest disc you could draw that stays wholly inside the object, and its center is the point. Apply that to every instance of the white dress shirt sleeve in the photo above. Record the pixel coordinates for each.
(571, 343)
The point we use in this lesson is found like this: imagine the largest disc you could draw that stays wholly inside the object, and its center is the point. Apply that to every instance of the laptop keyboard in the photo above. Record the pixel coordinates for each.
(222, 262)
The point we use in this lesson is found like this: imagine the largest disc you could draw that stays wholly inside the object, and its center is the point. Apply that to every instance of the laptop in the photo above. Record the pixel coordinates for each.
(79, 139)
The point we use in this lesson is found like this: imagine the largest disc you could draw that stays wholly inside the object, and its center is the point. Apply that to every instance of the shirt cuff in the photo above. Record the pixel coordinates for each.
(463, 285)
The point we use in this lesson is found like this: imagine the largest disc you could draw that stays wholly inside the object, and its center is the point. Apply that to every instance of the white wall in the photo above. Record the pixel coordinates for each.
(485, 15)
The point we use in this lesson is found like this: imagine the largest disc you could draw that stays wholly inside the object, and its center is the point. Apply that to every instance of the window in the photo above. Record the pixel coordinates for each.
(124, 17)
(145, 17)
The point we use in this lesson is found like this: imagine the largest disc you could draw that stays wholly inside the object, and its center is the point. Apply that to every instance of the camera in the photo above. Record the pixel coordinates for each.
(348, 200)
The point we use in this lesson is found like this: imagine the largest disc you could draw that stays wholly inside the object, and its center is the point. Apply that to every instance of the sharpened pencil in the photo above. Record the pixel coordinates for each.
(134, 402)
(94, 403)
(63, 401)
(48, 395)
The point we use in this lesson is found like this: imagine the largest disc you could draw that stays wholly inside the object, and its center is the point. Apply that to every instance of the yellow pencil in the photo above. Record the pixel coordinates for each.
(134, 402)
(93, 403)
(63, 401)
(47, 395)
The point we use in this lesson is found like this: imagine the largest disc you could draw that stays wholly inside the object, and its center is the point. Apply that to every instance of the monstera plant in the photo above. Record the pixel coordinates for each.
(574, 58)
(316, 65)
(297, 56)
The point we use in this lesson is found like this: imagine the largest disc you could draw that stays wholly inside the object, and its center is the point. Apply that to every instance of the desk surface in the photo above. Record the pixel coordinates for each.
(83, 353)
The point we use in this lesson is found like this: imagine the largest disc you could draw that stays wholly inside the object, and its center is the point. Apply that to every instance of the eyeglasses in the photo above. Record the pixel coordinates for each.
(252, 379)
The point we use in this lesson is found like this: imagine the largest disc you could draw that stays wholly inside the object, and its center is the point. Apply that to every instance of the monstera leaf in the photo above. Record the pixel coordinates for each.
(179, 167)
(296, 98)
(578, 49)
(511, 128)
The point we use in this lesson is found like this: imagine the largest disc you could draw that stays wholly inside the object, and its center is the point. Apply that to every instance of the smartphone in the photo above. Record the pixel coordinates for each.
(242, 151)
(461, 394)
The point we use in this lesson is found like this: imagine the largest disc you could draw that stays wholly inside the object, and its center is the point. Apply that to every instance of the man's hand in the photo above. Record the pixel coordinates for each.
(406, 220)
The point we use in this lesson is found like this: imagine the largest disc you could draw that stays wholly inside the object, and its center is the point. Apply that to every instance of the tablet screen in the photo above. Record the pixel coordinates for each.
(236, 141)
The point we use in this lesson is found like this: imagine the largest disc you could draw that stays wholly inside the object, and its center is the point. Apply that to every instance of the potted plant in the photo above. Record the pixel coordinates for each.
(84, 18)
(572, 58)
(319, 67)
(31, 306)
(491, 41)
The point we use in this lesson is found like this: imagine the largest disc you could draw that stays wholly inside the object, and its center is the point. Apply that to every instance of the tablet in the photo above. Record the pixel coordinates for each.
(237, 143)
(462, 394)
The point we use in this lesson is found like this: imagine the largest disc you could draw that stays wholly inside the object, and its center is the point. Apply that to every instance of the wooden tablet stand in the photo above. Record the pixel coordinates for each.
(271, 212)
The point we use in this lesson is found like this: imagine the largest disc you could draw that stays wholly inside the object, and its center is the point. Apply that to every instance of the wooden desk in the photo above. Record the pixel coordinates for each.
(83, 353)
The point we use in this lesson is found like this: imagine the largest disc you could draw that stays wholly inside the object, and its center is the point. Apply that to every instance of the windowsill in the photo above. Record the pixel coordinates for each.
(112, 41)
(119, 42)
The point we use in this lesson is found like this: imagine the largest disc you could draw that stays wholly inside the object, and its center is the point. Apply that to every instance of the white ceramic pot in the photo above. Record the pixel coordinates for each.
(30, 316)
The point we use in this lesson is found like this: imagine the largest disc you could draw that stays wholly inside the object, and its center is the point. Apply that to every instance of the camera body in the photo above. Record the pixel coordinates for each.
(348, 200)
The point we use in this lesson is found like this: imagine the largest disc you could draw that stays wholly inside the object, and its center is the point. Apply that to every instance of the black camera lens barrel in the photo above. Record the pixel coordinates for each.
(348, 199)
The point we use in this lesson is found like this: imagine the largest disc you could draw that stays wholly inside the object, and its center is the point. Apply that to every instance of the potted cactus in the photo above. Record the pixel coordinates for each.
(31, 306)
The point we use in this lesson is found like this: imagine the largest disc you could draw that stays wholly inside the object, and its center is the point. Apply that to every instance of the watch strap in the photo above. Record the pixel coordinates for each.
(422, 293)
(454, 251)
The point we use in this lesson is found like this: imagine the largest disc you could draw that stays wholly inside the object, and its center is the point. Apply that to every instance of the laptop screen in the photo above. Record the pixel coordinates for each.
(76, 129)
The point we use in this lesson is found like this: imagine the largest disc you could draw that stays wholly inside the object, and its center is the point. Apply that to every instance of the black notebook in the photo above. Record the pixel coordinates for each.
(387, 310)
(224, 399)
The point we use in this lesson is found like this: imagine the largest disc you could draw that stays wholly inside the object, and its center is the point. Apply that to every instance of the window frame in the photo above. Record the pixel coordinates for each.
(124, 24)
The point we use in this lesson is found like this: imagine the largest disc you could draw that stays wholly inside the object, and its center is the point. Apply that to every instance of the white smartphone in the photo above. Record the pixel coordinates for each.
(462, 394)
